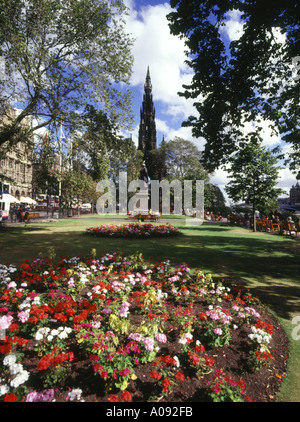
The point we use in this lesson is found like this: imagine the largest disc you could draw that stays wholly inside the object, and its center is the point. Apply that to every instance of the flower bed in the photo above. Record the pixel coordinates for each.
(118, 329)
(134, 230)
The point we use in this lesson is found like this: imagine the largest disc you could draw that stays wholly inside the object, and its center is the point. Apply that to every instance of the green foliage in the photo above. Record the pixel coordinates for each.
(76, 184)
(182, 160)
(252, 80)
(61, 55)
(214, 199)
(254, 177)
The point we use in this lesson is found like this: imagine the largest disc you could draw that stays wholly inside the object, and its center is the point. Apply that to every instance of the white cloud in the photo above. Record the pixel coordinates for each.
(286, 180)
(234, 27)
(164, 54)
(270, 138)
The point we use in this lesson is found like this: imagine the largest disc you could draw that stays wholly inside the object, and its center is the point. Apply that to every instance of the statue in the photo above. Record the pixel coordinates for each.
(144, 173)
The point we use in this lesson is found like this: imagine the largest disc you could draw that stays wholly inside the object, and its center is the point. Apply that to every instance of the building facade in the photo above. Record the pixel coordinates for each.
(16, 170)
(295, 195)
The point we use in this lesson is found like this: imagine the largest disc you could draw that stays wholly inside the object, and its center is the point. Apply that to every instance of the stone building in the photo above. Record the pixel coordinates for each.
(295, 195)
(16, 170)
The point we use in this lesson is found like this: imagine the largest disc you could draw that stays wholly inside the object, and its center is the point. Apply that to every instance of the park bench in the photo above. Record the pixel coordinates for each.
(154, 217)
(289, 228)
(267, 226)
(274, 227)
(147, 217)
(294, 228)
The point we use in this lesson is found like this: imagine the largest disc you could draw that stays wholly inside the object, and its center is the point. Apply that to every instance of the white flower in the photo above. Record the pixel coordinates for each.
(185, 338)
(4, 389)
(75, 394)
(20, 379)
(41, 332)
(177, 361)
(9, 360)
(36, 300)
(15, 368)
(63, 334)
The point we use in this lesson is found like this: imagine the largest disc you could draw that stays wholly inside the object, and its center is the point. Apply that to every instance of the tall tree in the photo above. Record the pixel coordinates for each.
(45, 162)
(254, 177)
(157, 162)
(250, 81)
(182, 160)
(214, 199)
(60, 55)
(77, 185)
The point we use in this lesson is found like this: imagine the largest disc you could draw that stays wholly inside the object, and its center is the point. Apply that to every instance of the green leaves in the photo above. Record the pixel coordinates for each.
(249, 77)
(254, 177)
(61, 55)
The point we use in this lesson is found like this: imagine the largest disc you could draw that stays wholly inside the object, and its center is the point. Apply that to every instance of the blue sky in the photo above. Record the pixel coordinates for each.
(164, 54)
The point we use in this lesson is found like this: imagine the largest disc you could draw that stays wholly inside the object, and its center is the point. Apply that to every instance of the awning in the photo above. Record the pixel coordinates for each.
(27, 200)
(7, 197)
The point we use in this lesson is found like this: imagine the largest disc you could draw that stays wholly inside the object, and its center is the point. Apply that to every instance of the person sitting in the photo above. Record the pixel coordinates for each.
(291, 224)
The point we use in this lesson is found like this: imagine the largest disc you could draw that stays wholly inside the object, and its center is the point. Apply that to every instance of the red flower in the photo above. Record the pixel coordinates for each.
(194, 359)
(199, 348)
(113, 398)
(6, 348)
(179, 376)
(209, 361)
(10, 397)
(268, 328)
(104, 374)
(94, 358)
(155, 375)
(166, 382)
(61, 317)
(13, 327)
(216, 388)
(202, 316)
(126, 396)
(22, 341)
(44, 363)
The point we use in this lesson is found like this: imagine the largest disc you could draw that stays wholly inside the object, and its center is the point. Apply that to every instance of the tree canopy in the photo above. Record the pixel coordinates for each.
(254, 175)
(59, 56)
(250, 79)
(182, 160)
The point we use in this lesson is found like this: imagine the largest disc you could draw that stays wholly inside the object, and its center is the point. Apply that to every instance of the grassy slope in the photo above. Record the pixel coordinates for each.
(268, 264)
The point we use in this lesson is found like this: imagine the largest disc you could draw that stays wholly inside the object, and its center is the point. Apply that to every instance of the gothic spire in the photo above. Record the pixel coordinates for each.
(147, 131)
(148, 85)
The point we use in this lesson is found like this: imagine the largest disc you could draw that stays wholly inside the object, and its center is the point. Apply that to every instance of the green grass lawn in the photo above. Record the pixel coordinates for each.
(268, 264)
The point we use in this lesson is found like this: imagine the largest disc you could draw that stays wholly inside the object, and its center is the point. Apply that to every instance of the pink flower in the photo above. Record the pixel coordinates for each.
(162, 338)
(124, 372)
(104, 374)
(5, 322)
(218, 331)
(216, 388)
(23, 316)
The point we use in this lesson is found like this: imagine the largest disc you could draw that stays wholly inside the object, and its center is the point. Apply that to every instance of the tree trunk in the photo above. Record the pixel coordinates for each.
(254, 218)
